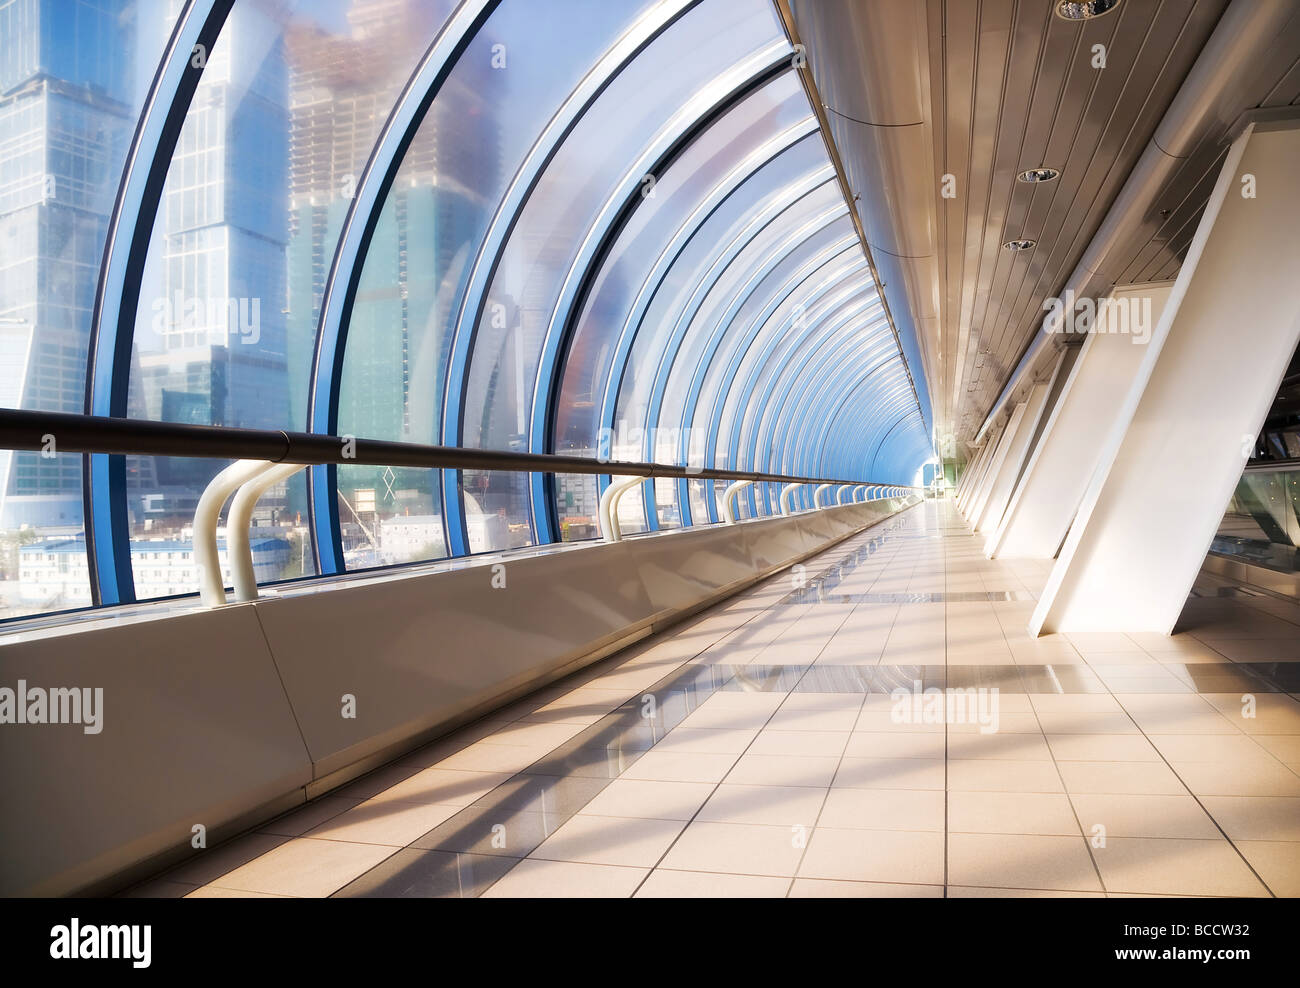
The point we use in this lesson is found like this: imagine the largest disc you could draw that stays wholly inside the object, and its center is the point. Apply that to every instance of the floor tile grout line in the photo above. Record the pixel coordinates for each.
(650, 689)
(668, 850)
(1195, 796)
(667, 636)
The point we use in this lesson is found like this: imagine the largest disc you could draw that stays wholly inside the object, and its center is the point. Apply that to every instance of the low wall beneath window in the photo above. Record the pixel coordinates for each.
(220, 719)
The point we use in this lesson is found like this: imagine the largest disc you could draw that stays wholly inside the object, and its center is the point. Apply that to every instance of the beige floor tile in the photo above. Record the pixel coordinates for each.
(971, 892)
(1021, 861)
(1084, 721)
(1089, 642)
(999, 775)
(1207, 747)
(213, 892)
(1258, 777)
(213, 862)
(1101, 748)
(1265, 713)
(1256, 818)
(1174, 867)
(304, 867)
(440, 785)
(894, 744)
(536, 878)
(883, 809)
(1120, 777)
(776, 806)
(707, 740)
(826, 744)
(1157, 713)
(629, 841)
(1011, 722)
(651, 799)
(581, 706)
(530, 735)
(893, 856)
(821, 888)
(1277, 863)
(1006, 747)
(299, 821)
(384, 822)
(877, 721)
(890, 773)
(680, 766)
(666, 884)
(380, 780)
(783, 770)
(1284, 747)
(734, 848)
(1143, 815)
(1011, 813)
(734, 711)
(484, 757)
(817, 712)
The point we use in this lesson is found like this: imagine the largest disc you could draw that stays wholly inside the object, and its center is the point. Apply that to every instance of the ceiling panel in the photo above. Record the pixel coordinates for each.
(1006, 85)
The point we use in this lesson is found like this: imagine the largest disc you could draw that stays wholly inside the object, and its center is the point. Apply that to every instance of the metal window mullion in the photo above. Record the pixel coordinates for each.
(117, 290)
(338, 296)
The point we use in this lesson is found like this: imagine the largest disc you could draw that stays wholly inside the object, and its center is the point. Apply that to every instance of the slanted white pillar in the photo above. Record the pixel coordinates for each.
(1018, 449)
(1044, 503)
(979, 497)
(972, 467)
(1188, 424)
(981, 468)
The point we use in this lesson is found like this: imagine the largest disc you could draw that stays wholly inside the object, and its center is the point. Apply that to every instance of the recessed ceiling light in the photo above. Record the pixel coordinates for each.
(1084, 10)
(1041, 174)
(1019, 244)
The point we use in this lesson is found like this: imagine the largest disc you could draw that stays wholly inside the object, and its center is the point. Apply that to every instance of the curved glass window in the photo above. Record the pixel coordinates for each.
(73, 81)
(289, 106)
(790, 319)
(712, 169)
(608, 158)
(483, 133)
(577, 227)
(651, 329)
(715, 370)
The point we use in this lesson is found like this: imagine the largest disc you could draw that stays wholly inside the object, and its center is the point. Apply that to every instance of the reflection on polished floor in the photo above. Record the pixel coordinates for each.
(757, 751)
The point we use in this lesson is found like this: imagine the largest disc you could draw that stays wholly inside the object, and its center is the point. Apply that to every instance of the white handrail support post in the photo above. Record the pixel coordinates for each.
(239, 547)
(212, 588)
(728, 500)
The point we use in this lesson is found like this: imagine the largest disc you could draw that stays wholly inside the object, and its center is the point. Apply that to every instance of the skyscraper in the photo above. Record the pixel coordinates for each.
(66, 116)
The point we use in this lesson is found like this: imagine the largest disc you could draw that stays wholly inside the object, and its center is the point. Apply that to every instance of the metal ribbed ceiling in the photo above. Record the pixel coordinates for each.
(983, 89)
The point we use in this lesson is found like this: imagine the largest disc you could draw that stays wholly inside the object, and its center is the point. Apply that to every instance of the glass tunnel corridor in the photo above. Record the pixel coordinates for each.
(648, 448)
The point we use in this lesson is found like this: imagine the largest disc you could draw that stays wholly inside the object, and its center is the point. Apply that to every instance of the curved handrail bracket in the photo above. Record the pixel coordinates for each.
(729, 500)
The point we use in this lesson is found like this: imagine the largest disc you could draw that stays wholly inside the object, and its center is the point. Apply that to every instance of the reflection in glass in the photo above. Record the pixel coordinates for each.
(73, 77)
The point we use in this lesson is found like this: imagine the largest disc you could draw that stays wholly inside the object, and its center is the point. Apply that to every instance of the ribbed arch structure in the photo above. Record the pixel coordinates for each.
(599, 229)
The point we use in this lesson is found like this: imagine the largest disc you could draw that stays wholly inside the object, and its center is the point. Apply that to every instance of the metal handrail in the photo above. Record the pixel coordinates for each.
(61, 432)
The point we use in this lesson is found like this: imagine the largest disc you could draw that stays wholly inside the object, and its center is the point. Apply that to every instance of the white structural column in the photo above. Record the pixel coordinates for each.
(979, 497)
(1063, 460)
(1018, 449)
(981, 469)
(1187, 426)
(967, 475)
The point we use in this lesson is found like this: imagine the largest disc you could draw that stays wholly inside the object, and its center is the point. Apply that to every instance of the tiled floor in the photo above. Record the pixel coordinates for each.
(761, 750)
